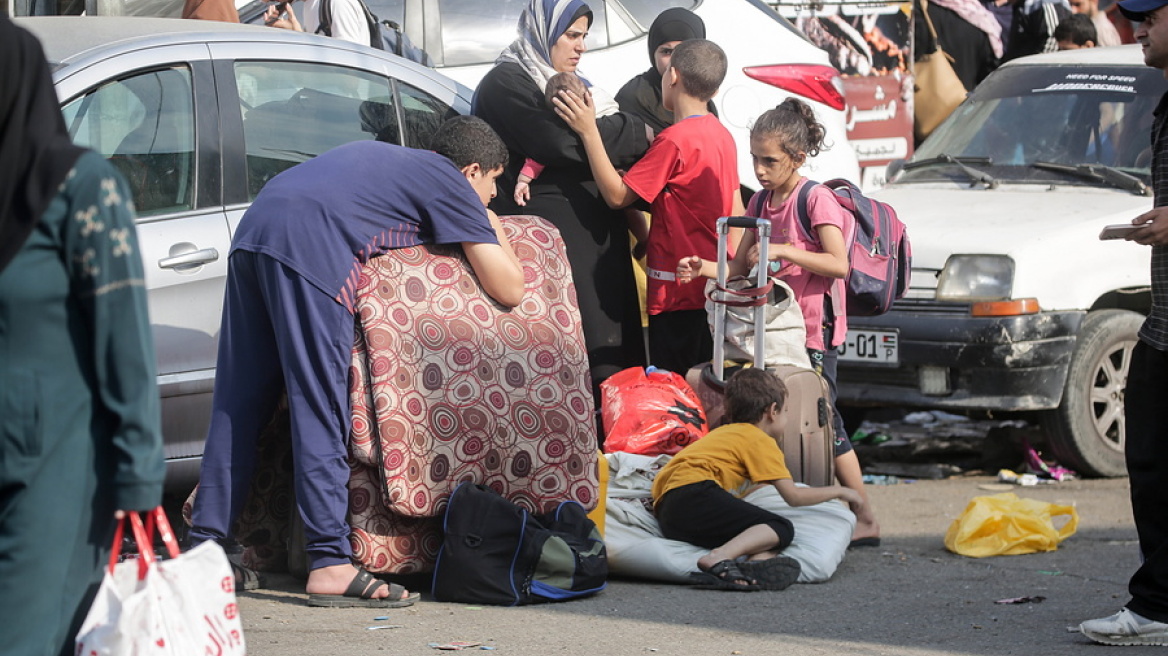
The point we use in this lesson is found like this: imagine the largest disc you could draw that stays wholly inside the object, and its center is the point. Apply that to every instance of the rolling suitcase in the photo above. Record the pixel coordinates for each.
(807, 435)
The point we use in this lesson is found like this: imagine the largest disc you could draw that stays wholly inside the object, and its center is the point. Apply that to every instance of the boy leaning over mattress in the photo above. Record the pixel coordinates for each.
(693, 502)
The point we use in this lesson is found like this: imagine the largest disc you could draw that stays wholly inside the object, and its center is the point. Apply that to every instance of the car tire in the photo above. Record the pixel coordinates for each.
(1086, 432)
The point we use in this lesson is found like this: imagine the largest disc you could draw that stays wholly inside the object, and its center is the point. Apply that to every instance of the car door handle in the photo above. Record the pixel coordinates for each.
(194, 258)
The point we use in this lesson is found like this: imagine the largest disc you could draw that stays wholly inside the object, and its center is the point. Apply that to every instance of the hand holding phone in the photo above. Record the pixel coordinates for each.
(1118, 231)
(275, 11)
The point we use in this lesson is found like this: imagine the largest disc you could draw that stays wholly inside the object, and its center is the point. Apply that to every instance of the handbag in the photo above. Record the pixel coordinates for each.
(180, 606)
(937, 90)
(650, 412)
(786, 333)
(1006, 525)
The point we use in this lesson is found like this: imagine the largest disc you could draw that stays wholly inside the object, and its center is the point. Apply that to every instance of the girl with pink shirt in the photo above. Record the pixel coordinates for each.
(814, 265)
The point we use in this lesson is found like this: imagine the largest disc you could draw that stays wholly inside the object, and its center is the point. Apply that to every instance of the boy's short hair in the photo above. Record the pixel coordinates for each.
(701, 63)
(750, 392)
(562, 81)
(469, 140)
(1078, 29)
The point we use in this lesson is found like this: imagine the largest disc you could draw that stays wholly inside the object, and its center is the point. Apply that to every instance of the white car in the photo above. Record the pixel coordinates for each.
(769, 60)
(1015, 303)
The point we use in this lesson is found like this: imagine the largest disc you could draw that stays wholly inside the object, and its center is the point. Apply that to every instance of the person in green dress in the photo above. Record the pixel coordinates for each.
(80, 436)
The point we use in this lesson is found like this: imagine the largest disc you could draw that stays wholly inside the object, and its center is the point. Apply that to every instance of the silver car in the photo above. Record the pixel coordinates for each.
(198, 116)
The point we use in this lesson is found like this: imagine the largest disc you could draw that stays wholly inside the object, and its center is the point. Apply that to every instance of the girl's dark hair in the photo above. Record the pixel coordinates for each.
(795, 126)
(750, 392)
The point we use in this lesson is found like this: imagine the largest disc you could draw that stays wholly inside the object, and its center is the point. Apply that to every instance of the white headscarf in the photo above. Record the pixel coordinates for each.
(541, 24)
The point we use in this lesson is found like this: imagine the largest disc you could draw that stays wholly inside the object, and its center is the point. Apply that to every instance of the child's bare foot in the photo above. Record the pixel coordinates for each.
(866, 533)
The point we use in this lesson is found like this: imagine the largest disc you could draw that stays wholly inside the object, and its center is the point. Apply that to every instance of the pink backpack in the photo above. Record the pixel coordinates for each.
(880, 253)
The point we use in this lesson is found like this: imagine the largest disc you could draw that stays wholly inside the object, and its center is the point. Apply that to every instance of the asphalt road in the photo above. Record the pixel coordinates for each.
(908, 596)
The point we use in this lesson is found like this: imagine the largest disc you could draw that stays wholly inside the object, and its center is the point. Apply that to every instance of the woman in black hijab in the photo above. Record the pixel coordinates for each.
(641, 96)
(35, 150)
(79, 425)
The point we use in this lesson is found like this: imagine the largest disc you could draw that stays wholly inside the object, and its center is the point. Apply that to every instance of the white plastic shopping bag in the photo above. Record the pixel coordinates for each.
(181, 606)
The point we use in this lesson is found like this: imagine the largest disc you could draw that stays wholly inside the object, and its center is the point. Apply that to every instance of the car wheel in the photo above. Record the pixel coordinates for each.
(1086, 431)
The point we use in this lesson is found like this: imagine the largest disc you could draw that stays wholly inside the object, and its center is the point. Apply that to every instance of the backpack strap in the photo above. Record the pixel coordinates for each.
(326, 18)
(375, 40)
(803, 213)
(754, 207)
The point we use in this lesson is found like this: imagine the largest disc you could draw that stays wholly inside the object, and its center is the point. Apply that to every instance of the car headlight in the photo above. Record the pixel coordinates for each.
(968, 278)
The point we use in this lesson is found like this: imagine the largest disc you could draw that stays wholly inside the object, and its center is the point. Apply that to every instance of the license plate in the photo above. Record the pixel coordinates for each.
(872, 346)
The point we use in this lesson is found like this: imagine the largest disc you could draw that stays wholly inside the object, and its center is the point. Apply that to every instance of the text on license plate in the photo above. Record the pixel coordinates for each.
(862, 345)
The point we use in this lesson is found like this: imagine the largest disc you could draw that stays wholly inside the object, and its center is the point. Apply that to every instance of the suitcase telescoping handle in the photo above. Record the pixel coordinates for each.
(764, 239)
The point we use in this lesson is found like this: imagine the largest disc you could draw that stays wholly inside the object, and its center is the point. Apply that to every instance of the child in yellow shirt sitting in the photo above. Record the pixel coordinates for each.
(694, 500)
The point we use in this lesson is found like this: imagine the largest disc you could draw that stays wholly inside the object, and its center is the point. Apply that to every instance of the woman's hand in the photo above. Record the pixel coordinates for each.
(579, 113)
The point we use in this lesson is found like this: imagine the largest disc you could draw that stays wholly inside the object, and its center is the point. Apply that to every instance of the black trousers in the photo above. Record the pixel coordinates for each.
(679, 340)
(708, 516)
(1146, 413)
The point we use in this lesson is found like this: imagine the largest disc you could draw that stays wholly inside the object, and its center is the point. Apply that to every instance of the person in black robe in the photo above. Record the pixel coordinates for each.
(642, 94)
(511, 99)
(80, 431)
(970, 47)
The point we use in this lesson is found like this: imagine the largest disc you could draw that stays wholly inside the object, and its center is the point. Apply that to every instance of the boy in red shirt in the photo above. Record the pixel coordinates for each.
(690, 178)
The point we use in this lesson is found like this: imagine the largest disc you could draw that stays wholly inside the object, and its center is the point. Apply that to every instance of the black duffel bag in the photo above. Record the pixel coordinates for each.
(494, 552)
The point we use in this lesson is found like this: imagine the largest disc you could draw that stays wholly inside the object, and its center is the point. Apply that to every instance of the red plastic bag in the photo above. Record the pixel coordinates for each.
(650, 412)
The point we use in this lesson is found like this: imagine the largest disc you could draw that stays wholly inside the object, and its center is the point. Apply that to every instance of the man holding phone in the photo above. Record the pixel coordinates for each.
(1144, 621)
(346, 20)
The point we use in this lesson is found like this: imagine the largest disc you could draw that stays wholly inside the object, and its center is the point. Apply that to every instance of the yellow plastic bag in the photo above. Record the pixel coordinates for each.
(1006, 525)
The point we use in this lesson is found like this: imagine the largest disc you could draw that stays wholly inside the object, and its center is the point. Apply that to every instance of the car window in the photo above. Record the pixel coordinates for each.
(145, 125)
(294, 111)
(645, 11)
(475, 32)
(388, 10)
(421, 114)
(1065, 115)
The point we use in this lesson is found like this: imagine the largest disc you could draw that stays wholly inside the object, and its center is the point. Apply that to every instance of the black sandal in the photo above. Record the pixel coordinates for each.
(776, 573)
(725, 575)
(360, 593)
(246, 578)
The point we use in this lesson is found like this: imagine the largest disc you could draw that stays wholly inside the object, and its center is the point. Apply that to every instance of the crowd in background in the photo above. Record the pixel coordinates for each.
(981, 34)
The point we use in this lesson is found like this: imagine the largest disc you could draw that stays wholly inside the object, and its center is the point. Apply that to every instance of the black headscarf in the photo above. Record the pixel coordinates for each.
(35, 150)
(674, 24)
(642, 94)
